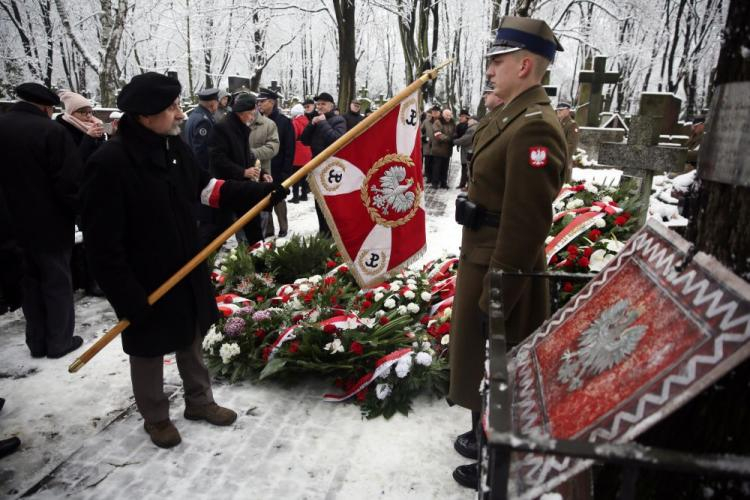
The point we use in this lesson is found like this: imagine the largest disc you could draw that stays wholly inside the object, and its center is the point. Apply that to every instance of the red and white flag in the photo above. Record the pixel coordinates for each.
(372, 195)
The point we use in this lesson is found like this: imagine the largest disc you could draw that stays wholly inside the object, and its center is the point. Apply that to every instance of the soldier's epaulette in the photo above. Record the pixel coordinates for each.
(533, 112)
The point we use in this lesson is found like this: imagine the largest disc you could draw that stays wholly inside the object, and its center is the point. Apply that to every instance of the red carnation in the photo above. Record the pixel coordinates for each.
(260, 333)
(583, 262)
(330, 264)
(444, 328)
(588, 251)
(228, 300)
(356, 348)
(334, 300)
(294, 347)
(613, 203)
(572, 250)
(627, 215)
(369, 295)
(330, 328)
(620, 220)
(329, 280)
(362, 395)
(554, 259)
(568, 263)
(567, 287)
(425, 319)
(384, 320)
(343, 269)
(595, 234)
(366, 304)
(260, 298)
(266, 352)
(297, 318)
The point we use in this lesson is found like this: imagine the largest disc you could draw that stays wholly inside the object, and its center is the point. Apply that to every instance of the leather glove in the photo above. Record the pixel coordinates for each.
(278, 192)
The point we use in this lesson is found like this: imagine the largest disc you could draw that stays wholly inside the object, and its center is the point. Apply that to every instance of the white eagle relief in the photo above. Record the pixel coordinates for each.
(393, 194)
(608, 341)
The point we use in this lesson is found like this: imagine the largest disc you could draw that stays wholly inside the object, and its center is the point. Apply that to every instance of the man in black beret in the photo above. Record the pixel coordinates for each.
(322, 131)
(40, 177)
(140, 229)
(282, 163)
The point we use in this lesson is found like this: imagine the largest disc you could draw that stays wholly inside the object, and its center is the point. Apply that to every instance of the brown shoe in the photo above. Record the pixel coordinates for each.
(211, 413)
(164, 434)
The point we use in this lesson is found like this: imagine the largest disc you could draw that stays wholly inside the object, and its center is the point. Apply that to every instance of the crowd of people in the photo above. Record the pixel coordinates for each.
(156, 179)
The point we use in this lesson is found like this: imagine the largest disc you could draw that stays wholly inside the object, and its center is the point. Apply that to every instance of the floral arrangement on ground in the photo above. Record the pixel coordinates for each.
(380, 347)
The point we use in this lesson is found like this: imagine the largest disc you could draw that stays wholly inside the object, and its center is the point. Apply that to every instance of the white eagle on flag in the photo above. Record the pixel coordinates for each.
(392, 193)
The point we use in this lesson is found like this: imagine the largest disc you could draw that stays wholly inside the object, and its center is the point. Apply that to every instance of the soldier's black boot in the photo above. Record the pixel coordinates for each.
(466, 443)
(467, 475)
(8, 446)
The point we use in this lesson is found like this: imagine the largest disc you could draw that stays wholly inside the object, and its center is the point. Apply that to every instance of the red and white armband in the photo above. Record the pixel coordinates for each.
(211, 193)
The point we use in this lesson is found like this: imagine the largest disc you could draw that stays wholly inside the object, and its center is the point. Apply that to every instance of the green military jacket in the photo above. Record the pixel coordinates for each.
(518, 164)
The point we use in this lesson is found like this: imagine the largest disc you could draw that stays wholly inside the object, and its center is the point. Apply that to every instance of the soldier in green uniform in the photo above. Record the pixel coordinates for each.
(567, 119)
(517, 169)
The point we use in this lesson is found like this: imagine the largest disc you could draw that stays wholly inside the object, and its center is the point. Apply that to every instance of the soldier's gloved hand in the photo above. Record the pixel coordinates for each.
(279, 192)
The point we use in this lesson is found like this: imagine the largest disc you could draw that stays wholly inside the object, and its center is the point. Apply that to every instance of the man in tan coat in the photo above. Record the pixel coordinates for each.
(567, 119)
(517, 168)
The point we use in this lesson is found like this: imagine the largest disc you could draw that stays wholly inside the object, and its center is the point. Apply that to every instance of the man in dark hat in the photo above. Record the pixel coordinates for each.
(199, 125)
(40, 177)
(231, 157)
(282, 163)
(428, 140)
(517, 168)
(353, 116)
(140, 229)
(324, 129)
(566, 115)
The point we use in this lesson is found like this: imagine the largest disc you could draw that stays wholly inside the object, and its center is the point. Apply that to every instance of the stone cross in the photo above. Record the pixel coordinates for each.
(363, 92)
(642, 155)
(592, 93)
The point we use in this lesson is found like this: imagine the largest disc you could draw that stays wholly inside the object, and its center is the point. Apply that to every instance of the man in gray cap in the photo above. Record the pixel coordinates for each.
(140, 229)
(517, 168)
(39, 177)
(223, 108)
(566, 115)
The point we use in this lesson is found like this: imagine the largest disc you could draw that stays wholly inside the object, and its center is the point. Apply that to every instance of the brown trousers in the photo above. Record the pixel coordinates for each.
(147, 375)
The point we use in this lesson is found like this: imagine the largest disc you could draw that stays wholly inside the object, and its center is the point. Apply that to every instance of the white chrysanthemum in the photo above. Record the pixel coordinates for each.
(415, 344)
(423, 358)
(412, 308)
(447, 312)
(233, 257)
(394, 287)
(368, 322)
(600, 223)
(224, 269)
(350, 324)
(590, 188)
(548, 239)
(574, 203)
(304, 288)
(403, 366)
(426, 345)
(607, 199)
(389, 304)
(295, 304)
(614, 245)
(402, 310)
(445, 340)
(334, 346)
(411, 287)
(426, 296)
(315, 279)
(299, 280)
(313, 316)
(228, 351)
(411, 281)
(382, 391)
(211, 338)
(378, 296)
(379, 313)
(409, 294)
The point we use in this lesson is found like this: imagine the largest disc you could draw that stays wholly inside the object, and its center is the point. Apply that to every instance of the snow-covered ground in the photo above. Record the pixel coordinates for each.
(82, 437)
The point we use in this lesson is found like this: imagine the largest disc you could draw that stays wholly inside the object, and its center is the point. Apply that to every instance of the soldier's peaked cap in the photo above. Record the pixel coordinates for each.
(268, 94)
(208, 95)
(517, 33)
(148, 94)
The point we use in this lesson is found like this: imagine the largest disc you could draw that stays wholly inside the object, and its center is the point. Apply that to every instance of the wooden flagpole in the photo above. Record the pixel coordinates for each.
(342, 141)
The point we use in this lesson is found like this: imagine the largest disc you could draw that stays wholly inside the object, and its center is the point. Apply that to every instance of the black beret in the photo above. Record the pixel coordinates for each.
(267, 94)
(308, 101)
(148, 94)
(243, 102)
(37, 93)
(324, 96)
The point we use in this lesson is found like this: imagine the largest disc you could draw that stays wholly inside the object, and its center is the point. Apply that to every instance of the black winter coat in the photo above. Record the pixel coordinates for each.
(282, 163)
(322, 134)
(139, 230)
(352, 119)
(40, 176)
(229, 149)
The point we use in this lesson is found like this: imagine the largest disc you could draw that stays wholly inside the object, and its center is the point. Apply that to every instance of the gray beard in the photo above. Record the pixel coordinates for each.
(175, 130)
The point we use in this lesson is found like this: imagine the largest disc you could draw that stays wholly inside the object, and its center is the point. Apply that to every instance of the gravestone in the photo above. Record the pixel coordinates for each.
(275, 87)
(642, 155)
(551, 90)
(590, 96)
(591, 138)
(237, 83)
(722, 156)
(363, 93)
(614, 120)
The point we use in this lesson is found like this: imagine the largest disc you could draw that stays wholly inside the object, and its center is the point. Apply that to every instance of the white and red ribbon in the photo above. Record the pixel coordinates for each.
(286, 335)
(382, 366)
(577, 226)
(211, 193)
(230, 303)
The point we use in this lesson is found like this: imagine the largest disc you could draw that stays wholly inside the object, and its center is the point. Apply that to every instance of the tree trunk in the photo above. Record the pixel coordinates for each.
(347, 32)
(717, 420)
(113, 25)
